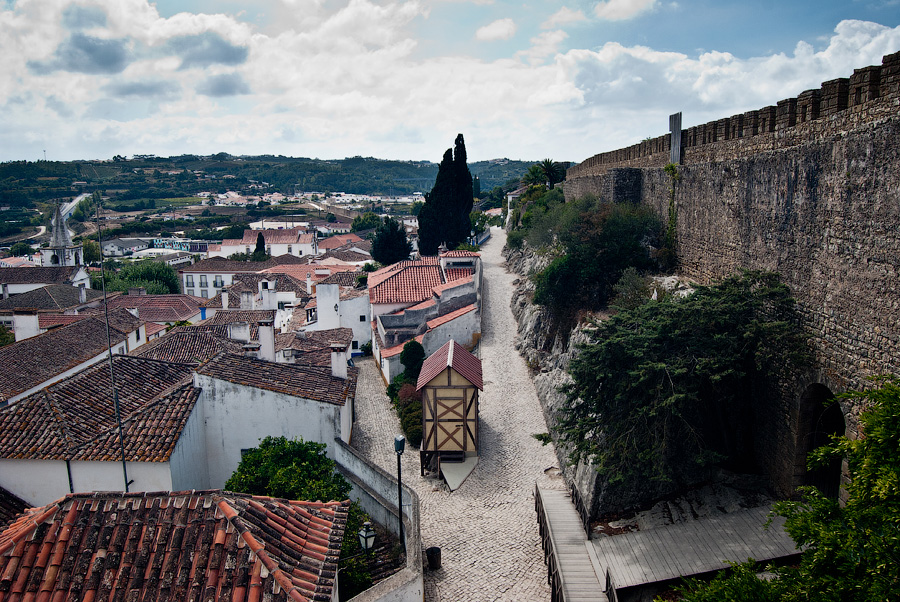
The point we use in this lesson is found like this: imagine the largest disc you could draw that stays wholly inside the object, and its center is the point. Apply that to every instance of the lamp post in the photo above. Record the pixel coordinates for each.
(367, 537)
(399, 445)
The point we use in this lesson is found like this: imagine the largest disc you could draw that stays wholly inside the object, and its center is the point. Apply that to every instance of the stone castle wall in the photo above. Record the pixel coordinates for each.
(813, 195)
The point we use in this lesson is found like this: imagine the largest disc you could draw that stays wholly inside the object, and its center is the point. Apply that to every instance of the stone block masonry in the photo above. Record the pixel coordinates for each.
(809, 188)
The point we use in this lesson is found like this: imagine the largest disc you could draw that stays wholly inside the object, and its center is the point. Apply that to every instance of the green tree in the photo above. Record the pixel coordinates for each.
(6, 337)
(390, 244)
(534, 176)
(666, 390)
(366, 221)
(259, 252)
(155, 276)
(553, 172)
(91, 251)
(416, 207)
(20, 248)
(851, 552)
(445, 216)
(330, 218)
(412, 357)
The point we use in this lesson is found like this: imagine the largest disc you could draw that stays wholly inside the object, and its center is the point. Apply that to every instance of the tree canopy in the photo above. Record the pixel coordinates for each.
(390, 244)
(665, 390)
(291, 469)
(445, 216)
(155, 276)
(366, 221)
(852, 552)
(259, 252)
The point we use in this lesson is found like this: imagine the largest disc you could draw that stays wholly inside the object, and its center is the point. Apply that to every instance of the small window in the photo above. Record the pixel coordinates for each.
(204, 294)
(290, 249)
(354, 345)
(281, 305)
(190, 292)
(202, 281)
(362, 318)
(189, 280)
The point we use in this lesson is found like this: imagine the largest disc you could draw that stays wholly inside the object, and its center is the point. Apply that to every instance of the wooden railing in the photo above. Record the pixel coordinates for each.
(581, 509)
(554, 579)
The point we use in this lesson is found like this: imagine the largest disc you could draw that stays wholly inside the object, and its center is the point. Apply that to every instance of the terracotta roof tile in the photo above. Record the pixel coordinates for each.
(316, 272)
(277, 237)
(307, 382)
(160, 308)
(465, 279)
(54, 297)
(185, 345)
(10, 507)
(74, 418)
(397, 349)
(189, 545)
(47, 321)
(458, 273)
(405, 281)
(222, 265)
(460, 254)
(48, 275)
(453, 355)
(347, 278)
(224, 317)
(59, 349)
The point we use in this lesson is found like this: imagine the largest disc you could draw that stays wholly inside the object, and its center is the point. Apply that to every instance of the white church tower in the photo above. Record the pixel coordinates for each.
(61, 251)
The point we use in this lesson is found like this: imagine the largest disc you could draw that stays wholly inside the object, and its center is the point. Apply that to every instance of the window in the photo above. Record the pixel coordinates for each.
(203, 281)
(218, 282)
(204, 294)
(354, 345)
(189, 291)
(362, 318)
(189, 281)
(281, 305)
(290, 249)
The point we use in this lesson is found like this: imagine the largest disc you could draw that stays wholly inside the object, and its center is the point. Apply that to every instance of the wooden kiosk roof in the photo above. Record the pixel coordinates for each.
(452, 355)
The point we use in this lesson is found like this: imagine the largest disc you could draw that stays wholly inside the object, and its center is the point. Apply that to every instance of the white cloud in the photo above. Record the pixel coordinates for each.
(619, 10)
(542, 46)
(563, 16)
(501, 29)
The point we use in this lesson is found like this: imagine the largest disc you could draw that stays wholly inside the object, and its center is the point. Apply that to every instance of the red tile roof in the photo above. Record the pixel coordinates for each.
(30, 362)
(450, 316)
(224, 317)
(10, 507)
(74, 418)
(191, 346)
(316, 272)
(277, 237)
(405, 281)
(465, 279)
(189, 545)
(151, 328)
(54, 297)
(306, 382)
(338, 240)
(160, 308)
(221, 265)
(397, 349)
(460, 254)
(458, 273)
(46, 321)
(452, 355)
(48, 275)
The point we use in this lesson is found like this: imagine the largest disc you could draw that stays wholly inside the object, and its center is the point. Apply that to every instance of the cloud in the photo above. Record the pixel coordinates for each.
(207, 49)
(501, 29)
(542, 46)
(142, 89)
(228, 84)
(86, 54)
(620, 10)
(83, 17)
(563, 16)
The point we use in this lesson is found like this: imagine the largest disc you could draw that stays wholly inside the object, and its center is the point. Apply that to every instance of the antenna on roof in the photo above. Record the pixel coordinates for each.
(112, 374)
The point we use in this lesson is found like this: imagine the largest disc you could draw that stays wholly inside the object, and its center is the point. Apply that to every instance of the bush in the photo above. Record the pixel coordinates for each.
(515, 239)
(411, 422)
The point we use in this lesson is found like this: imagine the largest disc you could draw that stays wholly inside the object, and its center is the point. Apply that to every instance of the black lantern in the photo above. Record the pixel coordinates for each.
(367, 537)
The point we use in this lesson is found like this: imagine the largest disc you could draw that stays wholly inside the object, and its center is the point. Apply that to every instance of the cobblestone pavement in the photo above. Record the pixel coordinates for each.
(486, 529)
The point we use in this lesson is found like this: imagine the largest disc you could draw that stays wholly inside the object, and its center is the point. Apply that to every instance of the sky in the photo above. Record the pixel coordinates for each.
(399, 79)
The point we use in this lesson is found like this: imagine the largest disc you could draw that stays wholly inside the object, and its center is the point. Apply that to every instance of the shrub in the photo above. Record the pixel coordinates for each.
(515, 239)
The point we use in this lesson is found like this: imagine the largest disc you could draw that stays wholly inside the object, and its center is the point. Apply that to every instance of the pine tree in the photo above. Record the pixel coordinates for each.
(259, 253)
(390, 244)
(445, 216)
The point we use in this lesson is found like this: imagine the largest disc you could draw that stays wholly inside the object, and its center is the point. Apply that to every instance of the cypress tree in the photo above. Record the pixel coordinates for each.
(445, 215)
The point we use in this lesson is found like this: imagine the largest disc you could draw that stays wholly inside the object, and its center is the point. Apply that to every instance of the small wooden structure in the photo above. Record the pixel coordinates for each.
(450, 380)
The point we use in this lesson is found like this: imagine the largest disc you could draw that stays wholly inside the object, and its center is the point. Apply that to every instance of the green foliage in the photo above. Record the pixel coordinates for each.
(534, 176)
(155, 276)
(20, 248)
(416, 207)
(666, 389)
(515, 239)
(290, 469)
(851, 552)
(6, 336)
(412, 357)
(739, 584)
(631, 291)
(445, 216)
(597, 243)
(390, 245)
(553, 172)
(409, 408)
(366, 348)
(90, 251)
(366, 221)
(544, 438)
(330, 218)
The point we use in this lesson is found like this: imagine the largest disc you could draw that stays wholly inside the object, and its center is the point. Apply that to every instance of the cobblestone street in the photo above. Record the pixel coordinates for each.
(487, 529)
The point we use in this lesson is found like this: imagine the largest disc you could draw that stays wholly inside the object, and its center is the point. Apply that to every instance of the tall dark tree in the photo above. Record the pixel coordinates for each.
(445, 216)
(554, 172)
(259, 253)
(390, 244)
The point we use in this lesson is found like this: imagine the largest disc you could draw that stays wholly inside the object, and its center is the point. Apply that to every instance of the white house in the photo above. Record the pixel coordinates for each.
(14, 281)
(207, 278)
(340, 304)
(293, 241)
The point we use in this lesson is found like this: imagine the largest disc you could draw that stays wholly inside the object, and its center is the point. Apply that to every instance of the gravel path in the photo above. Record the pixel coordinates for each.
(486, 529)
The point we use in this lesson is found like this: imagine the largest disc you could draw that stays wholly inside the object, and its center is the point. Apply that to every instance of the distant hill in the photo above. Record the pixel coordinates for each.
(23, 183)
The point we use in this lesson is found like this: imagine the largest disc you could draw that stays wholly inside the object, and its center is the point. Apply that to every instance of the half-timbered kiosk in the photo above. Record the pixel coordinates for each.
(449, 381)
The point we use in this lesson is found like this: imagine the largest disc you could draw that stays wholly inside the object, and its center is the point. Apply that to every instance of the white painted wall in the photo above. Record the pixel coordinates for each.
(188, 460)
(461, 329)
(108, 476)
(237, 417)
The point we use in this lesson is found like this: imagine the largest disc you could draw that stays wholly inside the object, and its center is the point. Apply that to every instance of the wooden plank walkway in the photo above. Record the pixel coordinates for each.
(693, 548)
(571, 570)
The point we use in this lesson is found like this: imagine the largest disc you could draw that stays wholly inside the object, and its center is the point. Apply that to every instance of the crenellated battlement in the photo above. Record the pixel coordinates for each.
(869, 95)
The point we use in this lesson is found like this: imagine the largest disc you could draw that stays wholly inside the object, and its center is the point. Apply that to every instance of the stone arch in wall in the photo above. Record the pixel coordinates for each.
(820, 417)
(54, 259)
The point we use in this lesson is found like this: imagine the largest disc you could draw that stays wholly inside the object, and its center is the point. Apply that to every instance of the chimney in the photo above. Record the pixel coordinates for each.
(239, 331)
(82, 293)
(5, 291)
(309, 285)
(26, 323)
(339, 360)
(224, 298)
(267, 340)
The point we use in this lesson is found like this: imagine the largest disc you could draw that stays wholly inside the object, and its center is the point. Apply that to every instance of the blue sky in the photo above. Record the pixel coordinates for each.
(398, 79)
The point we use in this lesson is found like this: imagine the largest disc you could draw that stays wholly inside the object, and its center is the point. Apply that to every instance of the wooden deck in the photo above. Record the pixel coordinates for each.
(692, 548)
(572, 568)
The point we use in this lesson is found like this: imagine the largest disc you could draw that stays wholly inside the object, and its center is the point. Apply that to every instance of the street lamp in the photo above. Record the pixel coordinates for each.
(367, 537)
(399, 445)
